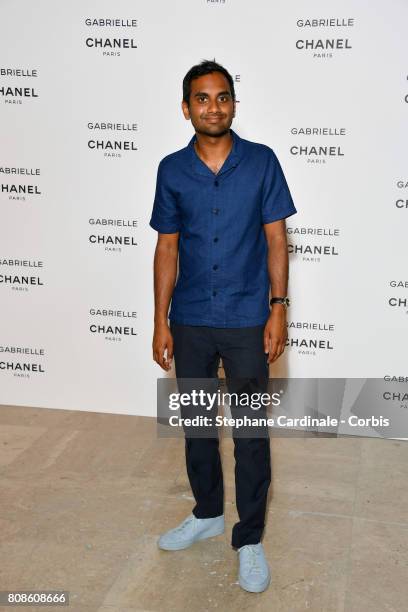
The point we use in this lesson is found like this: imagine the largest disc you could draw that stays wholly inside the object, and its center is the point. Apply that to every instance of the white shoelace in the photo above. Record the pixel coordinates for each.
(253, 559)
(185, 523)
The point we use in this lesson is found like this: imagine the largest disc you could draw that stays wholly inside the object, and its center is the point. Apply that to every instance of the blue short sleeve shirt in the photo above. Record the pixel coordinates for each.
(223, 278)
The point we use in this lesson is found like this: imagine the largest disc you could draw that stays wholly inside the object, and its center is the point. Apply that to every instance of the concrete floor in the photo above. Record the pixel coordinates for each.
(85, 495)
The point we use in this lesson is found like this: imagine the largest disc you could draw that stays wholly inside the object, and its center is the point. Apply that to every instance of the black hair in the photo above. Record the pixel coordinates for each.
(205, 67)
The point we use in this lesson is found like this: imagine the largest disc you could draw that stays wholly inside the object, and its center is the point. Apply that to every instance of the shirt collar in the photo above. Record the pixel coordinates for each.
(231, 161)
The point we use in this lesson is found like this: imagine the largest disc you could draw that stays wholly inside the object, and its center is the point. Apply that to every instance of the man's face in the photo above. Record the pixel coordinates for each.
(212, 108)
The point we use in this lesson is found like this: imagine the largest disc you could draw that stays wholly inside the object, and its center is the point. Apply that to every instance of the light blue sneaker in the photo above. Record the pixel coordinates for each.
(190, 530)
(254, 573)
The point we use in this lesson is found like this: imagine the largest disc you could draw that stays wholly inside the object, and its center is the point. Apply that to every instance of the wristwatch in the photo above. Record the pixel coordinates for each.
(280, 300)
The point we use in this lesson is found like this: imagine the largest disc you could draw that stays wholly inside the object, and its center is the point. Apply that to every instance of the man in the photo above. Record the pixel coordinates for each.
(220, 207)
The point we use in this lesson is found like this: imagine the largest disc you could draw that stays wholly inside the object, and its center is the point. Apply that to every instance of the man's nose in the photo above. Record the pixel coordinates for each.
(213, 106)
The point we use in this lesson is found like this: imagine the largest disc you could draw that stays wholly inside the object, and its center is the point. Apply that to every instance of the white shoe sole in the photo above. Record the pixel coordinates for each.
(209, 533)
(258, 588)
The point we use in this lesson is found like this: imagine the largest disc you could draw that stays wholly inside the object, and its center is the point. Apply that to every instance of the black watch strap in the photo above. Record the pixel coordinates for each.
(280, 300)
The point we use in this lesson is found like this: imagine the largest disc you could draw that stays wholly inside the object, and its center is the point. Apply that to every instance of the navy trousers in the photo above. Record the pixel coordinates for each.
(197, 353)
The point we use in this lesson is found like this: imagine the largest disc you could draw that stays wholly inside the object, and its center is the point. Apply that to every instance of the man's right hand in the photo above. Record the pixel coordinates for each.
(162, 340)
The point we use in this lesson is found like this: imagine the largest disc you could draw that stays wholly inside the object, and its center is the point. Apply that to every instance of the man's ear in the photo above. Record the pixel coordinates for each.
(235, 108)
(185, 109)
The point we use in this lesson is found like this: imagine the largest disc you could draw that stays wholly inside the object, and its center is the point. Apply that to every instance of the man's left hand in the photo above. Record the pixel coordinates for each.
(275, 332)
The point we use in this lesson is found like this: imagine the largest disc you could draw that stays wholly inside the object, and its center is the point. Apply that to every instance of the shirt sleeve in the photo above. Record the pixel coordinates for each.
(165, 216)
(277, 202)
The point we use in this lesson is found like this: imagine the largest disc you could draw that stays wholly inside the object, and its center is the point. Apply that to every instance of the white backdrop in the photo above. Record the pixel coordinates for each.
(59, 82)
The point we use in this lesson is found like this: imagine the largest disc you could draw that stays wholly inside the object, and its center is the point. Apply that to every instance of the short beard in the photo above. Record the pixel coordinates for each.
(217, 135)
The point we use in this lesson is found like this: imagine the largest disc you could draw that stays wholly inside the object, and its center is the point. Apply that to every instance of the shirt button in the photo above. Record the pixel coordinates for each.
(216, 239)
(215, 266)
(215, 211)
(216, 183)
(214, 293)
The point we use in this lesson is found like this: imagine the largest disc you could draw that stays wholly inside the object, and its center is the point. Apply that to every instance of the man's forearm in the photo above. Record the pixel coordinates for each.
(165, 274)
(278, 265)
(275, 332)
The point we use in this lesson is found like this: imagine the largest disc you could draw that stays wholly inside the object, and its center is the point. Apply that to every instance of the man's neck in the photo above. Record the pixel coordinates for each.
(213, 147)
